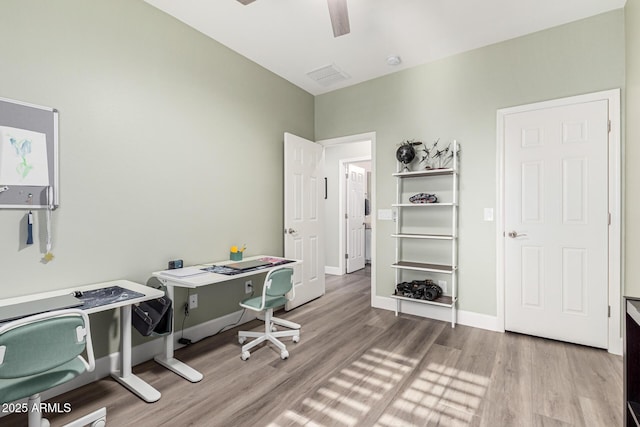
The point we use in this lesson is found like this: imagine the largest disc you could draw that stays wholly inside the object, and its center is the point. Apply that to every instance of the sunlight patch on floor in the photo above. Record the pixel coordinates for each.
(347, 398)
(298, 419)
(364, 391)
(440, 394)
(352, 403)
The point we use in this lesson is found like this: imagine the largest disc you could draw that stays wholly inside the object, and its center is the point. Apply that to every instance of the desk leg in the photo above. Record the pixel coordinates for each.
(167, 360)
(125, 376)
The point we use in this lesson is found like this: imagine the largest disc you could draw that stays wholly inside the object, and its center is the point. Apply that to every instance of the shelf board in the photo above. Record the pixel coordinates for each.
(426, 172)
(421, 205)
(419, 266)
(424, 236)
(443, 301)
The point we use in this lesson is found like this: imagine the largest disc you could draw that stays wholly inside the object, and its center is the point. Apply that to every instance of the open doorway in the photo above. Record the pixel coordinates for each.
(342, 235)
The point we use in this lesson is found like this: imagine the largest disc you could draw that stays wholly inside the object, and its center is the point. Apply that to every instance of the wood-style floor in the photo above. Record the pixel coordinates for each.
(358, 366)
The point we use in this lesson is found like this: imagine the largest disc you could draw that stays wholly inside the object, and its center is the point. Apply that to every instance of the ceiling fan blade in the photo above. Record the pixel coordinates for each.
(339, 17)
(246, 2)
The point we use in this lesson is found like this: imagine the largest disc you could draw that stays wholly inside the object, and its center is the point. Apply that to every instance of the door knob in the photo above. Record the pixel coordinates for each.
(289, 230)
(514, 234)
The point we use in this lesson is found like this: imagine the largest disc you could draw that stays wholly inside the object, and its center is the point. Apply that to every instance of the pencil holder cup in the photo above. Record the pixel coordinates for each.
(235, 256)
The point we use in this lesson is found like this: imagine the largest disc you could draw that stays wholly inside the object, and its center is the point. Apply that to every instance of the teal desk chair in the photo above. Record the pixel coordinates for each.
(43, 351)
(277, 284)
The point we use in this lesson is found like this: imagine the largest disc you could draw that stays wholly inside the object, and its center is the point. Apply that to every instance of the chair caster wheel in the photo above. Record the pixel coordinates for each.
(245, 355)
(274, 329)
(296, 338)
(284, 355)
(242, 340)
(99, 423)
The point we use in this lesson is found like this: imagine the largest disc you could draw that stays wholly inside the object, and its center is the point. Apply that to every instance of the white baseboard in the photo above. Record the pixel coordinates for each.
(334, 271)
(467, 318)
(616, 346)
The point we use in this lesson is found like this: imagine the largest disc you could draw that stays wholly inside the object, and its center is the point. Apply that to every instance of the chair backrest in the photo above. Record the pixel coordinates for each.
(39, 343)
(281, 282)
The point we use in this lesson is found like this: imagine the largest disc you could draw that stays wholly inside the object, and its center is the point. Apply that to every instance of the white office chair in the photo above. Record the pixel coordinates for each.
(42, 351)
(277, 285)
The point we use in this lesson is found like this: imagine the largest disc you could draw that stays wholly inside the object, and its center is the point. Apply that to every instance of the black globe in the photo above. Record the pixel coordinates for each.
(406, 154)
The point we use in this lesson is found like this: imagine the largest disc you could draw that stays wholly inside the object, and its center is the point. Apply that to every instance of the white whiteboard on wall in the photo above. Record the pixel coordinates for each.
(28, 155)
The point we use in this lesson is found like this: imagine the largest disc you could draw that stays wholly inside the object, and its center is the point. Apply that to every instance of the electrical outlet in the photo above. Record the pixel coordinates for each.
(248, 287)
(193, 301)
(443, 285)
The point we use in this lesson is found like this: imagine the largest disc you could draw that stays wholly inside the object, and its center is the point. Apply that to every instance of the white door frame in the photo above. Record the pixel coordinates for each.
(368, 136)
(614, 202)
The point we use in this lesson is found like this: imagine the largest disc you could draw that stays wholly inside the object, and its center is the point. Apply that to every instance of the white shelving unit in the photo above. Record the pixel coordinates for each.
(428, 212)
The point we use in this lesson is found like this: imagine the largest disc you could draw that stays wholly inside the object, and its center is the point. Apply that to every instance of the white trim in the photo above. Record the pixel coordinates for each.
(467, 318)
(367, 136)
(334, 271)
(615, 206)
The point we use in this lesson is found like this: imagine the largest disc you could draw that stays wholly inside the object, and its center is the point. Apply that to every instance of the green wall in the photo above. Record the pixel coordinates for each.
(457, 98)
(163, 134)
(632, 150)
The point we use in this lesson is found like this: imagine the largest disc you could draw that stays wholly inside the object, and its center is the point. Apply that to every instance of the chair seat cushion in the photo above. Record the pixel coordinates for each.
(13, 389)
(270, 302)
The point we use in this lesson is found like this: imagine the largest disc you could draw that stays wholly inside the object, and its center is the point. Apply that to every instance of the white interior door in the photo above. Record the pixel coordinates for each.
(556, 223)
(355, 218)
(303, 216)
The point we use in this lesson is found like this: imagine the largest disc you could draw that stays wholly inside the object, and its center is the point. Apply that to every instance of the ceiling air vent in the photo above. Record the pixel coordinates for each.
(328, 75)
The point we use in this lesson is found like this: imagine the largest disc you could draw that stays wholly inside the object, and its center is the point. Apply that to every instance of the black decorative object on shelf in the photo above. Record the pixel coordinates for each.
(419, 289)
(406, 153)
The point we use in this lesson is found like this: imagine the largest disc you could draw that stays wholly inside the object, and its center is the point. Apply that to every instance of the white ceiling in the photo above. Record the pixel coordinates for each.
(293, 37)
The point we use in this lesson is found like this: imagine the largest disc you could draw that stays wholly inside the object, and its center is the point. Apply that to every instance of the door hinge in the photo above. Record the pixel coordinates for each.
(609, 218)
(346, 216)
(609, 126)
(609, 312)
(346, 175)
(346, 256)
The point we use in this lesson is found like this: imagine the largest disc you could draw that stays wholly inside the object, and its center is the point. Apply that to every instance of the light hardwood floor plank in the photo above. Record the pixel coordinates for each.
(509, 396)
(556, 395)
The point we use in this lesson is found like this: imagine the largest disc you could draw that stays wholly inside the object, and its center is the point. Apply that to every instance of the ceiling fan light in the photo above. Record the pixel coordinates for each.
(394, 60)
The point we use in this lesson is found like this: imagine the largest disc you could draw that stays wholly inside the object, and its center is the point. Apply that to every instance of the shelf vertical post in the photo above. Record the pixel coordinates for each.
(398, 227)
(454, 232)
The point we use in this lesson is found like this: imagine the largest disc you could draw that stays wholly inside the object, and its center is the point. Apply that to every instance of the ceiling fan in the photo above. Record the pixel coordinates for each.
(338, 13)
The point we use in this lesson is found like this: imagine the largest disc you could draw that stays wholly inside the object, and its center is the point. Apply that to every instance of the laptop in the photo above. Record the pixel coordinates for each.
(17, 311)
(247, 265)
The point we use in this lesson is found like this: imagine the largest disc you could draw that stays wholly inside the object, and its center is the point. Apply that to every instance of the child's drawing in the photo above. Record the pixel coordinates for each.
(23, 157)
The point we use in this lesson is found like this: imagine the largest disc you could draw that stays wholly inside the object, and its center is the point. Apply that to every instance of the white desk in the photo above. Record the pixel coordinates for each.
(124, 375)
(167, 360)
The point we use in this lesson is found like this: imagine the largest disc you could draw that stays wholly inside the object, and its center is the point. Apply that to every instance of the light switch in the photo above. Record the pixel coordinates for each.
(385, 214)
(488, 214)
